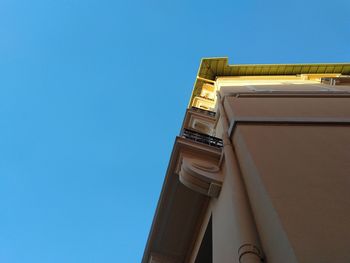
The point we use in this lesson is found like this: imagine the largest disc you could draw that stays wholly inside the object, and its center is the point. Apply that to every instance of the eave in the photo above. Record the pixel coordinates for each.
(180, 210)
(211, 68)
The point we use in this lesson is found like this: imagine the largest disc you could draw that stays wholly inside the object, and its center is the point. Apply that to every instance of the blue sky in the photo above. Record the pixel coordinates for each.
(92, 95)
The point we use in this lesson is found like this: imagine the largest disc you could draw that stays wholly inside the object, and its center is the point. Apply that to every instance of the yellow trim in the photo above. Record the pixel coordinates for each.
(211, 68)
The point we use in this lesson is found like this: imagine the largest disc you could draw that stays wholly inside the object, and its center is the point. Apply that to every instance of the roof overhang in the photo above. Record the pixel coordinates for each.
(180, 209)
(211, 68)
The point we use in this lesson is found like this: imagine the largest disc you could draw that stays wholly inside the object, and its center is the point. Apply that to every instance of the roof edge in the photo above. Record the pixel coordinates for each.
(211, 68)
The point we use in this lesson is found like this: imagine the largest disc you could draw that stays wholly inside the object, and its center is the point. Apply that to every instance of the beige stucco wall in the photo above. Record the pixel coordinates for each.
(304, 176)
(225, 245)
(297, 178)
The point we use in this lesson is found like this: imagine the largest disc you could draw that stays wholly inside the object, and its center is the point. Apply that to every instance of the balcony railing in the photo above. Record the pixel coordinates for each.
(202, 138)
(207, 112)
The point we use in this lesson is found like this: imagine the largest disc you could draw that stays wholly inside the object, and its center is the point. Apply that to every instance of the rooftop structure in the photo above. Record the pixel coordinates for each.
(260, 169)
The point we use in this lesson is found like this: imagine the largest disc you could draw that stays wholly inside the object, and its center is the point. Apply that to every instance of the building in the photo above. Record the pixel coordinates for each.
(261, 169)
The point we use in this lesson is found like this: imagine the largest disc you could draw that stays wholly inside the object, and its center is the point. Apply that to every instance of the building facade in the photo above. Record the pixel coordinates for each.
(260, 170)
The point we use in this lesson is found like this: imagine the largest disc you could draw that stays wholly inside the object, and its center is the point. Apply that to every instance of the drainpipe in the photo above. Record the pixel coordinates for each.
(249, 250)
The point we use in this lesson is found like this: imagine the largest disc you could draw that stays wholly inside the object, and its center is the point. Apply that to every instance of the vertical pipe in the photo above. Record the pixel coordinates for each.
(249, 250)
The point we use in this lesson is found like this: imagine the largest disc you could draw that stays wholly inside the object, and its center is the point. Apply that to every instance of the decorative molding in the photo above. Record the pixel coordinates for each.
(249, 249)
(201, 176)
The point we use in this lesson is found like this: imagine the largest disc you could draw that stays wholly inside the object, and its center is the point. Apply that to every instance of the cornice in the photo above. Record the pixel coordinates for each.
(211, 68)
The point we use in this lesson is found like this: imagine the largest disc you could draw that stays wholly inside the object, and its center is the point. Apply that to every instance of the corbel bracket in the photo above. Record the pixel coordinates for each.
(201, 176)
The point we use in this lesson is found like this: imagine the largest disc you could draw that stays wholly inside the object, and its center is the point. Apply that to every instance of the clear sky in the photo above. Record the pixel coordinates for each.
(92, 95)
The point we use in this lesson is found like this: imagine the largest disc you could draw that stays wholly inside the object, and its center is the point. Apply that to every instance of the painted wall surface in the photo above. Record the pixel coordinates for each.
(297, 178)
(291, 142)
(304, 173)
(225, 245)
